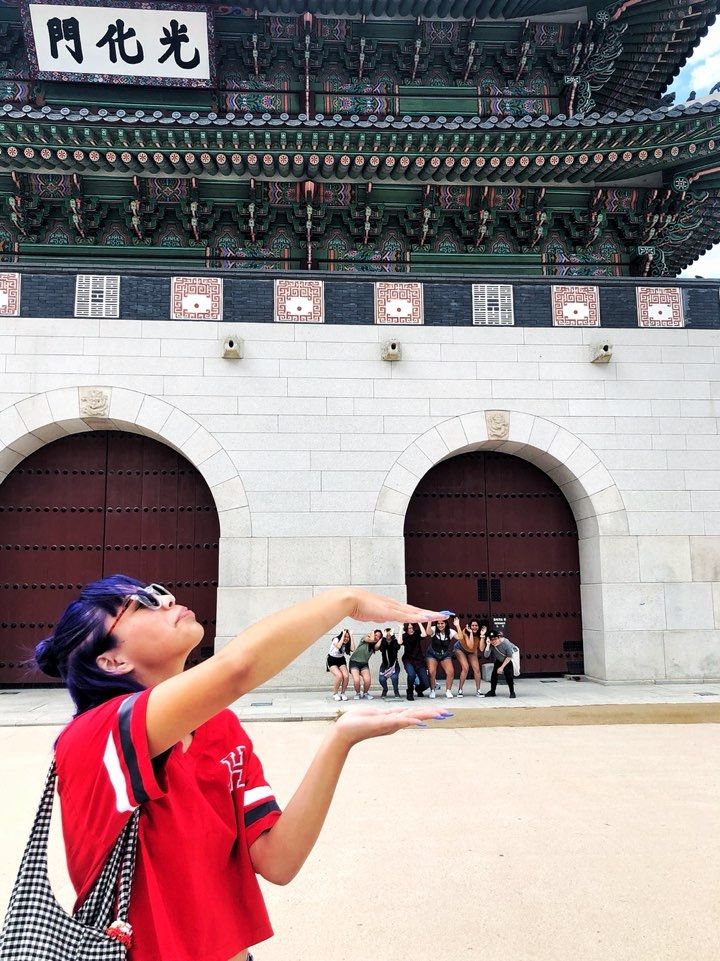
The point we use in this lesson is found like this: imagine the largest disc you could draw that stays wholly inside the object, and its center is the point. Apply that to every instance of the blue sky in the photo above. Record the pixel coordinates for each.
(701, 73)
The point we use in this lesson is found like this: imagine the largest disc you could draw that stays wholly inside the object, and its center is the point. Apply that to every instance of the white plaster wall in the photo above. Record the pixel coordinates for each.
(312, 446)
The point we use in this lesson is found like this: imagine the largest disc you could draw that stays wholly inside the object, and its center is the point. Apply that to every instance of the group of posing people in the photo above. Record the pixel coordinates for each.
(444, 642)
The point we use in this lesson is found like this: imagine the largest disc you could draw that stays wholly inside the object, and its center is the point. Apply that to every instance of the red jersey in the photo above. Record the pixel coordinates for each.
(195, 896)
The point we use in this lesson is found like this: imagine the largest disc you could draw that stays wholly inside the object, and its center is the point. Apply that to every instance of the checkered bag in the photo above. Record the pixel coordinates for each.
(38, 929)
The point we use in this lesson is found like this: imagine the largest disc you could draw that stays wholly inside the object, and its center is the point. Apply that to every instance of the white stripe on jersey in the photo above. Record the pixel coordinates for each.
(114, 769)
(257, 794)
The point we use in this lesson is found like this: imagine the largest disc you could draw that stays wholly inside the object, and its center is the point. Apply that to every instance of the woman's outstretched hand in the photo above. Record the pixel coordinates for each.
(377, 607)
(279, 854)
(359, 724)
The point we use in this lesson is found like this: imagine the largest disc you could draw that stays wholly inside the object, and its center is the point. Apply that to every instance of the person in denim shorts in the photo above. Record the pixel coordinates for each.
(440, 651)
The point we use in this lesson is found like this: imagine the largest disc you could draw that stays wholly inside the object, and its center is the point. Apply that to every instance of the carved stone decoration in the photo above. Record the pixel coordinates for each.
(94, 403)
(299, 301)
(575, 306)
(9, 295)
(398, 303)
(196, 298)
(498, 424)
(660, 307)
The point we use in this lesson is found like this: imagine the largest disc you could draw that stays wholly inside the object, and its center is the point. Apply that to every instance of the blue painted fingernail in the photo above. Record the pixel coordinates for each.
(421, 725)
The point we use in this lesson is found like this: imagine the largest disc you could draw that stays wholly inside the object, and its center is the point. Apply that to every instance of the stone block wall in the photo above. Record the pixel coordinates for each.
(312, 446)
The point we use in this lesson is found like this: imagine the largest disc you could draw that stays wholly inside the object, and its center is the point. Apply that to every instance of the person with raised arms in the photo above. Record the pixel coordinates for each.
(149, 734)
(442, 642)
(471, 642)
(335, 663)
(360, 655)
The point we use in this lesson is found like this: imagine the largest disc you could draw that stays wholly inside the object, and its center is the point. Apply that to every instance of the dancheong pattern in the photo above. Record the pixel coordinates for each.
(398, 139)
(575, 306)
(299, 301)
(400, 303)
(660, 307)
(196, 298)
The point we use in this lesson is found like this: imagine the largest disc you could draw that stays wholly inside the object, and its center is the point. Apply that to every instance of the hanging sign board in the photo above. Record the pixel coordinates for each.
(120, 42)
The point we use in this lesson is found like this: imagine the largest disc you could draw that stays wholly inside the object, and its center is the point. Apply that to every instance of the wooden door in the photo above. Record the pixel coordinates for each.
(91, 505)
(490, 535)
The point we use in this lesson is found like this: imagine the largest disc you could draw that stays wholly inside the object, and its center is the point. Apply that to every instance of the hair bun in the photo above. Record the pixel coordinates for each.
(46, 659)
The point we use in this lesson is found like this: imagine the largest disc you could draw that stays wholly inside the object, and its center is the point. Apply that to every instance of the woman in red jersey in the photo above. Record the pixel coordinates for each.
(149, 734)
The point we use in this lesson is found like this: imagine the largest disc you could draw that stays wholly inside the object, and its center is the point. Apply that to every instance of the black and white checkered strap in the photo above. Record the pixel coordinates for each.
(37, 928)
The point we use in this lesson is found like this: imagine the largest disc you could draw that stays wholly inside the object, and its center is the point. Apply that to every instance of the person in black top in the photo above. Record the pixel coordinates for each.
(414, 661)
(335, 663)
(390, 666)
(440, 651)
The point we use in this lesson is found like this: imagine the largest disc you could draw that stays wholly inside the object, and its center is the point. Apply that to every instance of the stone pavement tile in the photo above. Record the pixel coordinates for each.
(596, 839)
(53, 706)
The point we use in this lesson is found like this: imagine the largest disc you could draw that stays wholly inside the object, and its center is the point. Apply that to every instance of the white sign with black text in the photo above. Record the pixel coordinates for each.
(121, 43)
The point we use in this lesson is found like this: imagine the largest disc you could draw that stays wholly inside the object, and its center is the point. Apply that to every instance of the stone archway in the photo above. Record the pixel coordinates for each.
(34, 421)
(30, 423)
(583, 479)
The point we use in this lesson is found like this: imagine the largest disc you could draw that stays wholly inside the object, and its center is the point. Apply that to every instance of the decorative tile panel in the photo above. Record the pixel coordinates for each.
(399, 303)
(299, 301)
(9, 295)
(97, 295)
(575, 306)
(492, 304)
(196, 298)
(660, 307)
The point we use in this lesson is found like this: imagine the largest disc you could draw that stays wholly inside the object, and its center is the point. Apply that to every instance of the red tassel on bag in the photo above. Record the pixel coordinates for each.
(120, 931)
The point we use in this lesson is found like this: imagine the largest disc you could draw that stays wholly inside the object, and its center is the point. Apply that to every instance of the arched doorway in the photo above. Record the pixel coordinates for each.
(490, 535)
(94, 504)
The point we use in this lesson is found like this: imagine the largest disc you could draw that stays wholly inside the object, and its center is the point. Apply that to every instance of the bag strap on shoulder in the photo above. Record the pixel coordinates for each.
(114, 883)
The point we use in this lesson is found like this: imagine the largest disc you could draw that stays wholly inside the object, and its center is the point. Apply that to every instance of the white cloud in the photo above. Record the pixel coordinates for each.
(706, 74)
(703, 69)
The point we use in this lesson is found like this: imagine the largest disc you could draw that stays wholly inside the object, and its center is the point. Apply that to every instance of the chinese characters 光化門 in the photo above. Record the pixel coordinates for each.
(121, 41)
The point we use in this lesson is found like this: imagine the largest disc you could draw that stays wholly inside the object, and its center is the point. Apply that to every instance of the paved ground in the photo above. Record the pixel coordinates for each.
(54, 706)
(596, 843)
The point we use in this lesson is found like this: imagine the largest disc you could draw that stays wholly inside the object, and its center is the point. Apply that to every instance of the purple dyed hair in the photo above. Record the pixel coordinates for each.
(70, 652)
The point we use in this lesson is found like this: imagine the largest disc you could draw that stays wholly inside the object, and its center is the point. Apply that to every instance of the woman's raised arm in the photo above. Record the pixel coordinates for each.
(180, 704)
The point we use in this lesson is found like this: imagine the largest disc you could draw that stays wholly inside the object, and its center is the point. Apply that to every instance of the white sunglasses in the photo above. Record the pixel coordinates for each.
(154, 596)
